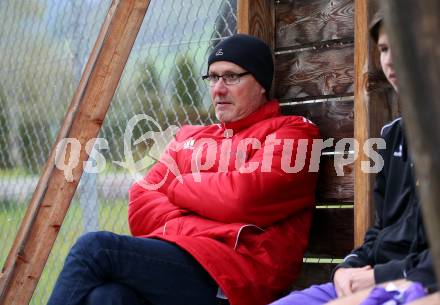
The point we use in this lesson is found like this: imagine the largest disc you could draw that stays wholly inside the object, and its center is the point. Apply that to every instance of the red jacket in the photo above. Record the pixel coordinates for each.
(244, 221)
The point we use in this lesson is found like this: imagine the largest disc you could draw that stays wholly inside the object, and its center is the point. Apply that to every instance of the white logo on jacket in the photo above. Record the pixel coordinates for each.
(189, 144)
(398, 153)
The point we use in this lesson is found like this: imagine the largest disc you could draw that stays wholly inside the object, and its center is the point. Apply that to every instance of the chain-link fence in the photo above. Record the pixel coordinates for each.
(44, 46)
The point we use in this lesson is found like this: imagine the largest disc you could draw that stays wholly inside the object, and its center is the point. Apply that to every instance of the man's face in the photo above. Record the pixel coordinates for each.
(386, 58)
(235, 102)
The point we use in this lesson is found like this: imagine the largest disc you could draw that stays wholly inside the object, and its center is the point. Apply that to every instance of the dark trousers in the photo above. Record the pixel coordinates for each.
(104, 268)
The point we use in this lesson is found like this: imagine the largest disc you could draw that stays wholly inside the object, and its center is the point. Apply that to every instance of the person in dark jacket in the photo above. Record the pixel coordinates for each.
(396, 247)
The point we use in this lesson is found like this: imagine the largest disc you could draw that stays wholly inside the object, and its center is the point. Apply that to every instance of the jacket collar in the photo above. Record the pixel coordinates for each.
(268, 110)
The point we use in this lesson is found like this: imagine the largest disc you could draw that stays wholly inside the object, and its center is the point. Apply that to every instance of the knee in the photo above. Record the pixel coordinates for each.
(112, 293)
(91, 242)
(101, 295)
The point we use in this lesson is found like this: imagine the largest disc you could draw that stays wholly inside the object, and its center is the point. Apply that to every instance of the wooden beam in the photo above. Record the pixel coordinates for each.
(83, 121)
(414, 33)
(372, 109)
(362, 181)
(257, 18)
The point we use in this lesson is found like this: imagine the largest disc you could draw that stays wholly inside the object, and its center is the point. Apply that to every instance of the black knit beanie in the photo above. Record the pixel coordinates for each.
(250, 53)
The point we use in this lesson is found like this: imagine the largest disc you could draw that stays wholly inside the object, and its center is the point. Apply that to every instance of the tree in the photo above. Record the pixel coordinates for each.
(35, 76)
(149, 94)
(5, 161)
(145, 97)
(34, 136)
(149, 89)
(186, 88)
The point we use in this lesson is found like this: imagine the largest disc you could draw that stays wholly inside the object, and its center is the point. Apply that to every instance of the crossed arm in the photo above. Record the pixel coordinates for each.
(258, 197)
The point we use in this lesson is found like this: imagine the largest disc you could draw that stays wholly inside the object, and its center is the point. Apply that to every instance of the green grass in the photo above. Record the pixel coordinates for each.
(10, 218)
(14, 172)
(112, 217)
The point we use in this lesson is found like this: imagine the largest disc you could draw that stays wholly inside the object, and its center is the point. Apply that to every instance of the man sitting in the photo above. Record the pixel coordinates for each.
(224, 216)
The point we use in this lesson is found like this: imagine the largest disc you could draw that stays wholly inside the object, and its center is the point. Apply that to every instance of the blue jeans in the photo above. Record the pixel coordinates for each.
(104, 268)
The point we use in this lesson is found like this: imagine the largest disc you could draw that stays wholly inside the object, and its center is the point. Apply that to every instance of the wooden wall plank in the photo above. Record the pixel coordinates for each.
(257, 18)
(331, 187)
(334, 118)
(313, 21)
(315, 73)
(373, 108)
(83, 120)
(363, 181)
(332, 233)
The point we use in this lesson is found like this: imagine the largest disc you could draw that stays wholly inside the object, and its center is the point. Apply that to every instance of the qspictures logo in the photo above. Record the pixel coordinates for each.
(207, 153)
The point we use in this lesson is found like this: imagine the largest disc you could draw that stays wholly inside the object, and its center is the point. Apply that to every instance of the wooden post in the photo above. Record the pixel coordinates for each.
(372, 111)
(414, 33)
(257, 18)
(83, 121)
(363, 181)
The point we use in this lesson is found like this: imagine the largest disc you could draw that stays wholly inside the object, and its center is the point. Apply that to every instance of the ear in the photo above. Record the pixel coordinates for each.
(263, 91)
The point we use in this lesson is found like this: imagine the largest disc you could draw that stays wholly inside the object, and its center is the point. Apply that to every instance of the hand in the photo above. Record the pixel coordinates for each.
(362, 279)
(350, 280)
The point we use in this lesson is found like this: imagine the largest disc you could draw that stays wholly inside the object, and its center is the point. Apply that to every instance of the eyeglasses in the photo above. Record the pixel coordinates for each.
(228, 78)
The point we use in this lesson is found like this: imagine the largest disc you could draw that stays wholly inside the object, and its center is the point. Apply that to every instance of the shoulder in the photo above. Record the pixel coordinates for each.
(188, 131)
(293, 127)
(391, 128)
(290, 120)
(294, 124)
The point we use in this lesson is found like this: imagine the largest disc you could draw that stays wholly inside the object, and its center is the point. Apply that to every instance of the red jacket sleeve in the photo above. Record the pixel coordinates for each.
(261, 198)
(149, 206)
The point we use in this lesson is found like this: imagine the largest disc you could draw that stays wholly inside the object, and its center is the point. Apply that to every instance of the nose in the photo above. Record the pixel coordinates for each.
(389, 59)
(219, 88)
